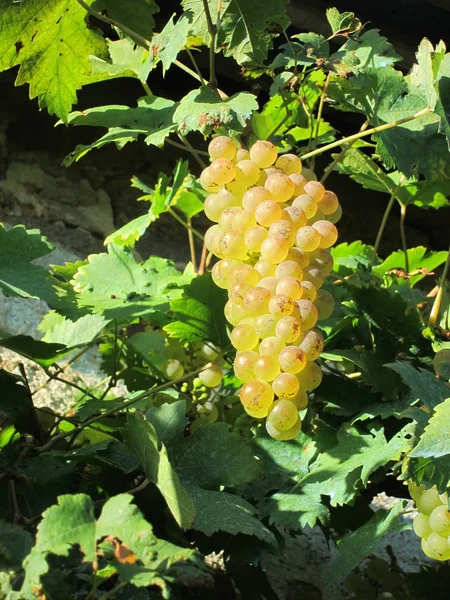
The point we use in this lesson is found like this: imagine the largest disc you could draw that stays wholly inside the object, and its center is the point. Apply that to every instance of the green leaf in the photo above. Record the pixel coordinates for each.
(423, 384)
(203, 110)
(169, 421)
(342, 22)
(126, 60)
(153, 118)
(15, 403)
(369, 50)
(132, 232)
(246, 27)
(351, 256)
(151, 346)
(138, 16)
(167, 44)
(110, 453)
(435, 440)
(442, 108)
(51, 42)
(355, 546)
(417, 259)
(143, 439)
(15, 545)
(42, 353)
(295, 510)
(59, 330)
(18, 277)
(198, 315)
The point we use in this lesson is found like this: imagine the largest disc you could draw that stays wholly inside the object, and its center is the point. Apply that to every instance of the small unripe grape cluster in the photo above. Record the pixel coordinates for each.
(274, 223)
(432, 523)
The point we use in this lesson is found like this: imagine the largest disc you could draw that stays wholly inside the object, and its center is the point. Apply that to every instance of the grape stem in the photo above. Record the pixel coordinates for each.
(319, 116)
(438, 300)
(341, 155)
(185, 224)
(201, 268)
(384, 220)
(403, 235)
(212, 34)
(184, 147)
(361, 134)
(191, 244)
(195, 65)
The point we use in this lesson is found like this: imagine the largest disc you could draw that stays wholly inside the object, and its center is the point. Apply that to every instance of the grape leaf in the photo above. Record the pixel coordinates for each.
(51, 41)
(138, 15)
(356, 545)
(203, 110)
(417, 259)
(435, 440)
(369, 50)
(295, 510)
(132, 232)
(15, 403)
(341, 23)
(125, 60)
(18, 276)
(15, 544)
(166, 45)
(424, 385)
(246, 27)
(42, 353)
(59, 330)
(350, 256)
(169, 421)
(429, 471)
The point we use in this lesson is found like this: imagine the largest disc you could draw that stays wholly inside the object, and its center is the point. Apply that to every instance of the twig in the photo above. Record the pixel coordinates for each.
(147, 89)
(195, 65)
(438, 300)
(187, 70)
(37, 429)
(341, 155)
(17, 517)
(319, 115)
(386, 214)
(188, 145)
(60, 370)
(184, 147)
(201, 268)
(191, 244)
(112, 593)
(185, 224)
(212, 54)
(403, 235)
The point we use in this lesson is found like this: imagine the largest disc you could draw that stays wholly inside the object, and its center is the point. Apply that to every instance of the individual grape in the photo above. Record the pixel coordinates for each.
(273, 170)
(336, 216)
(415, 491)
(287, 329)
(427, 501)
(315, 190)
(222, 170)
(324, 303)
(270, 283)
(290, 286)
(441, 363)
(271, 345)
(211, 377)
(300, 400)
(274, 249)
(323, 260)
(254, 237)
(219, 279)
(286, 385)
(311, 377)
(266, 367)
(328, 232)
(254, 196)
(227, 217)
(308, 314)
(440, 520)
(319, 216)
(242, 154)
(305, 203)
(209, 352)
(329, 203)
(208, 412)
(436, 547)
(292, 359)
(282, 415)
(222, 147)
(307, 238)
(263, 153)
(290, 163)
(312, 344)
(262, 178)
(309, 291)
(237, 219)
(237, 293)
(314, 276)
(299, 183)
(244, 337)
(444, 498)
(234, 313)
(236, 189)
(309, 175)
(267, 212)
(289, 434)
(212, 240)
(256, 301)
(232, 245)
(294, 215)
(242, 274)
(280, 187)
(243, 365)
(281, 305)
(289, 268)
(247, 173)
(283, 229)
(214, 205)
(207, 181)
(265, 268)
(299, 256)
(265, 325)
(173, 369)
(256, 397)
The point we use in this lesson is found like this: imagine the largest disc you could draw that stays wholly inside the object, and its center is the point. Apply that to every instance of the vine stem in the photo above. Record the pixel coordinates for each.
(61, 370)
(201, 268)
(319, 115)
(361, 134)
(193, 151)
(341, 155)
(384, 220)
(403, 235)
(192, 244)
(438, 300)
(185, 224)
(112, 593)
(212, 56)
(195, 65)
(184, 147)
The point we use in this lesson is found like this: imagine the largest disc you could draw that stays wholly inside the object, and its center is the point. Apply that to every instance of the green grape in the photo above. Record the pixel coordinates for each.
(244, 337)
(232, 245)
(247, 173)
(307, 238)
(441, 363)
(281, 305)
(207, 181)
(199, 422)
(308, 314)
(208, 411)
(290, 286)
(243, 365)
(222, 147)
(209, 352)
(242, 154)
(312, 344)
(238, 291)
(305, 203)
(309, 291)
(254, 238)
(289, 434)
(227, 217)
(173, 369)
(289, 268)
(322, 260)
(263, 153)
(324, 303)
(271, 345)
(212, 240)
(282, 415)
(254, 196)
(234, 313)
(436, 547)
(214, 206)
(265, 268)
(300, 400)
(427, 501)
(256, 301)
(336, 216)
(319, 216)
(314, 276)
(211, 377)
(280, 187)
(288, 329)
(221, 271)
(236, 189)
(328, 232)
(294, 215)
(299, 256)
(315, 190)
(222, 170)
(329, 203)
(286, 385)
(256, 397)
(292, 359)
(274, 249)
(267, 212)
(284, 230)
(265, 325)
(440, 520)
(262, 178)
(421, 525)
(311, 377)
(242, 274)
(309, 175)
(299, 182)
(444, 498)
(290, 164)
(266, 367)
(269, 283)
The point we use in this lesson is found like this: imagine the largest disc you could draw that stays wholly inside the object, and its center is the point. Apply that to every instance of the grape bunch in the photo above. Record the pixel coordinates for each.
(274, 223)
(432, 523)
